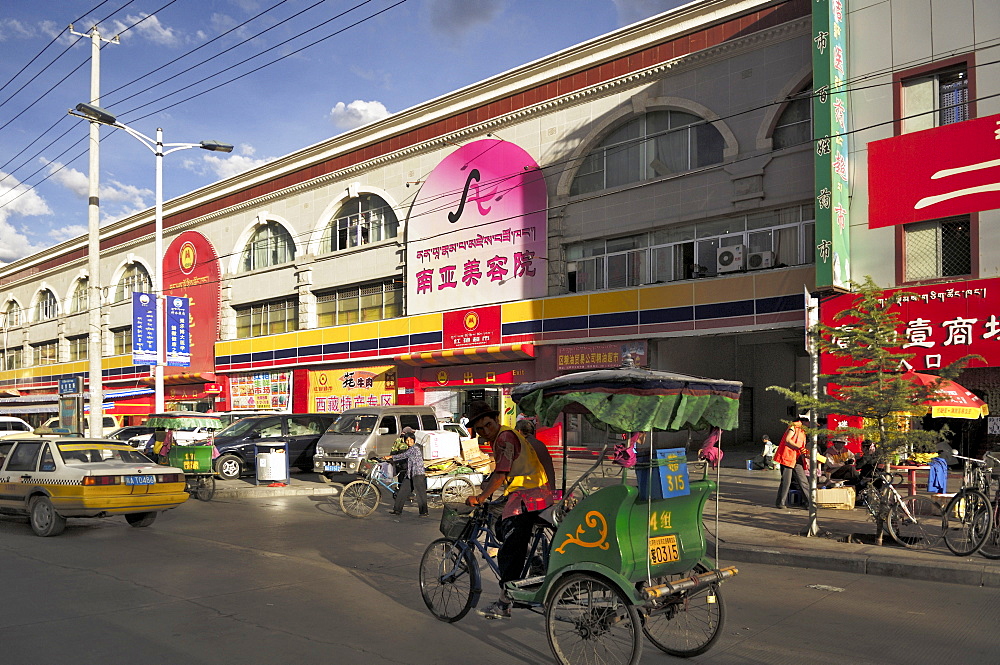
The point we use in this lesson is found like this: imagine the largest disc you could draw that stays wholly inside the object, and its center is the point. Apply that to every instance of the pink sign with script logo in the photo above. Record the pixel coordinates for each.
(478, 230)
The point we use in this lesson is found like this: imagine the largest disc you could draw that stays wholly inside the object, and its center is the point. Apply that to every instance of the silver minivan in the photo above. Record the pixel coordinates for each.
(365, 432)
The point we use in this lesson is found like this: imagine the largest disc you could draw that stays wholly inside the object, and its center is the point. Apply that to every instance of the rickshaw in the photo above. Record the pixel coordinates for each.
(625, 561)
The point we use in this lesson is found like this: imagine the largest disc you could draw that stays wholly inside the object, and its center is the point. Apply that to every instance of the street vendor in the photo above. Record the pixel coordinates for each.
(840, 462)
(793, 456)
(521, 473)
(416, 476)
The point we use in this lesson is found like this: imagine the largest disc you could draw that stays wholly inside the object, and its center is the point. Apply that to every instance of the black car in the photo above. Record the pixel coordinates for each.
(238, 443)
(127, 432)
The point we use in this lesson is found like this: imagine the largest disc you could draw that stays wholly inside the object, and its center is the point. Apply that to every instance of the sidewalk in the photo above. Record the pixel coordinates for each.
(751, 530)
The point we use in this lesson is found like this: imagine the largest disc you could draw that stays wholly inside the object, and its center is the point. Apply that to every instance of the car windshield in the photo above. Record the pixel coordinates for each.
(354, 423)
(80, 453)
(238, 428)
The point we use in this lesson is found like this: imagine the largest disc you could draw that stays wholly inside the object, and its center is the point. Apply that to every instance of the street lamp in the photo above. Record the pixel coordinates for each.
(104, 117)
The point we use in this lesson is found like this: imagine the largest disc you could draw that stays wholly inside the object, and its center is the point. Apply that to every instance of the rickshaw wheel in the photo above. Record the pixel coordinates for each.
(448, 579)
(686, 624)
(204, 487)
(359, 498)
(456, 490)
(587, 620)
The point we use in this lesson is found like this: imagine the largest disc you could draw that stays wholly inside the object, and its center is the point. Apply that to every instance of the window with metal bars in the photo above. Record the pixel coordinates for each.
(46, 353)
(366, 302)
(12, 315)
(772, 238)
(77, 347)
(267, 318)
(937, 249)
(46, 307)
(135, 279)
(941, 98)
(122, 340)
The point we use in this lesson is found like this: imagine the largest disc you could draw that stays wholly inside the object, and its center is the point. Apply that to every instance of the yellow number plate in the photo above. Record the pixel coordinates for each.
(663, 549)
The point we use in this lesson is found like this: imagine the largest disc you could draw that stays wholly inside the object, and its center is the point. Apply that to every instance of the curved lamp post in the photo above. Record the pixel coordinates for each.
(159, 149)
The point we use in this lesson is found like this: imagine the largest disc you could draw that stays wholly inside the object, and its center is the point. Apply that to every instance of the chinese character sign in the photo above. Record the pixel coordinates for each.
(478, 230)
(143, 329)
(334, 391)
(939, 323)
(178, 335)
(830, 144)
(261, 390)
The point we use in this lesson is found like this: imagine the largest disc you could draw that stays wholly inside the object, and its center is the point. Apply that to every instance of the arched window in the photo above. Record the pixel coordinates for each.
(794, 126)
(654, 145)
(81, 297)
(359, 221)
(270, 245)
(47, 306)
(135, 279)
(12, 314)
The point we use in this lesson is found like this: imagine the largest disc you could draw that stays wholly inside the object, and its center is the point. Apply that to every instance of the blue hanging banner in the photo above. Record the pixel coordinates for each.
(178, 332)
(143, 329)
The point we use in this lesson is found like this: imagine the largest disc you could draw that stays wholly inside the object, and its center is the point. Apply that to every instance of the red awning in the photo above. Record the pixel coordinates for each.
(476, 354)
(182, 378)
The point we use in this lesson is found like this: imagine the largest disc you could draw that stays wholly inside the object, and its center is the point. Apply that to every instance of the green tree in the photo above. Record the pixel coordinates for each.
(866, 344)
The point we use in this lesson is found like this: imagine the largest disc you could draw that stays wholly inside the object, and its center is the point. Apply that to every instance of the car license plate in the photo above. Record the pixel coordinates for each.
(140, 480)
(663, 549)
(334, 467)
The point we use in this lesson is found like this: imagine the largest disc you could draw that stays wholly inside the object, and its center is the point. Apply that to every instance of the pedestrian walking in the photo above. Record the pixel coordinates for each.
(792, 455)
(416, 475)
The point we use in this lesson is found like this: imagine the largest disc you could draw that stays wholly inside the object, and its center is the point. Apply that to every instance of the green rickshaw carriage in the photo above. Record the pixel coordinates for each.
(625, 560)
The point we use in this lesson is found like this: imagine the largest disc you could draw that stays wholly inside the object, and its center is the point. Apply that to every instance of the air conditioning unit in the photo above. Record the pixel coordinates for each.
(758, 260)
(730, 259)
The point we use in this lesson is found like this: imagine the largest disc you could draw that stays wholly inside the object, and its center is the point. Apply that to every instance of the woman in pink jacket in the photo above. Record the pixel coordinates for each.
(792, 454)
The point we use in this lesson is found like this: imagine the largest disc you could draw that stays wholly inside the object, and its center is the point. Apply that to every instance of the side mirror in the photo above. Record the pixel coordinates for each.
(383, 430)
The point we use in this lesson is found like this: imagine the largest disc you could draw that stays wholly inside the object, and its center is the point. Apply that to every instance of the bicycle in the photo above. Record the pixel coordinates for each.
(913, 522)
(968, 519)
(361, 497)
(450, 579)
(991, 547)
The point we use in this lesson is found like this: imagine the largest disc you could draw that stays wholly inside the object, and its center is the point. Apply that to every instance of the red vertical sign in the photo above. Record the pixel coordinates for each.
(191, 269)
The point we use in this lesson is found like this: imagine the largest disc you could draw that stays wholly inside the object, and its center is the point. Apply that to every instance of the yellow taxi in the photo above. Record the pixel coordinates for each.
(52, 478)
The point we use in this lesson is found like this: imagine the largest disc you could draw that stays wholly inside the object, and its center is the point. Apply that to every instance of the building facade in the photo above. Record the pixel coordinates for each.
(648, 192)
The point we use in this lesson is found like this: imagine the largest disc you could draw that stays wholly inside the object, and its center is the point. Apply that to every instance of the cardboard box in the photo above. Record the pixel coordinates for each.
(471, 449)
(438, 444)
(837, 498)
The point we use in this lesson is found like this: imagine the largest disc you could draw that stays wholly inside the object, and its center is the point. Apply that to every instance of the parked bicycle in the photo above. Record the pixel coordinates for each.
(361, 497)
(991, 547)
(969, 517)
(450, 578)
(913, 521)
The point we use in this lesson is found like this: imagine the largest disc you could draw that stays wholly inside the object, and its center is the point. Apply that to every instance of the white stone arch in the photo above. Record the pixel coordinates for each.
(261, 219)
(5, 308)
(766, 130)
(74, 283)
(119, 273)
(353, 190)
(640, 105)
(36, 297)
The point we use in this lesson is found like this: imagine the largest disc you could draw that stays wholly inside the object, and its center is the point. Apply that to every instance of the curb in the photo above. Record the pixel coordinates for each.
(969, 573)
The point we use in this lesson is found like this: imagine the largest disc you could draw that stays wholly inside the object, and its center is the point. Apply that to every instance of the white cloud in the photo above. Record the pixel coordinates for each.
(222, 166)
(16, 200)
(68, 233)
(357, 113)
(12, 28)
(111, 191)
(148, 26)
(456, 17)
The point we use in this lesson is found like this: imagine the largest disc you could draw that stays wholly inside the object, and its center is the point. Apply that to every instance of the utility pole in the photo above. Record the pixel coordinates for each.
(94, 241)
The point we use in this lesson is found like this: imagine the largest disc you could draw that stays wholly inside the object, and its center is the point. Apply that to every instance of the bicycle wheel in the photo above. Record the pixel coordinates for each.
(686, 624)
(457, 490)
(359, 498)
(967, 522)
(919, 525)
(589, 621)
(449, 579)
(204, 487)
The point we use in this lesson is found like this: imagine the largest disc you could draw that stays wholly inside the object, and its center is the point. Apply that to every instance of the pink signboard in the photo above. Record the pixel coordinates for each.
(477, 231)
(948, 170)
(941, 323)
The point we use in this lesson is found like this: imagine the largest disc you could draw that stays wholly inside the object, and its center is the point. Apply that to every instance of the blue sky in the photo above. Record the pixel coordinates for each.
(377, 58)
